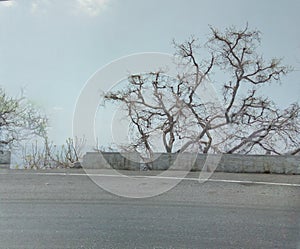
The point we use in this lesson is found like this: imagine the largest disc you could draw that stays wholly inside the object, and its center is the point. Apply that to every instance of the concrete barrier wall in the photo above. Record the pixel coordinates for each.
(227, 163)
(5, 158)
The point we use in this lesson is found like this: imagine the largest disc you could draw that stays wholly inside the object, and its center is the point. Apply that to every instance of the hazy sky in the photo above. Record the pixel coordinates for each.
(52, 47)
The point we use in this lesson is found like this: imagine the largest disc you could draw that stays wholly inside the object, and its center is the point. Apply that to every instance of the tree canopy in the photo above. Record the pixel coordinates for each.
(19, 120)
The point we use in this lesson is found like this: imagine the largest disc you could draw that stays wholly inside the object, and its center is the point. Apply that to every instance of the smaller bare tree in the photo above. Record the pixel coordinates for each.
(69, 153)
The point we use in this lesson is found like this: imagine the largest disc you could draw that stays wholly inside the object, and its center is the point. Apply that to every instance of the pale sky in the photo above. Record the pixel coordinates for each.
(52, 47)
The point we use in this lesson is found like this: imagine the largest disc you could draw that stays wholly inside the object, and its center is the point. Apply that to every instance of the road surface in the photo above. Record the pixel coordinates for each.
(65, 209)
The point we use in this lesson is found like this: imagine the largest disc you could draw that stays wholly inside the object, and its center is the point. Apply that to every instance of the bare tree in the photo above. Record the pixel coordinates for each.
(245, 122)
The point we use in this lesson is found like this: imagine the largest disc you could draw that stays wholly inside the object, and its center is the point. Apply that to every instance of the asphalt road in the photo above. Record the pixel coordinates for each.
(57, 210)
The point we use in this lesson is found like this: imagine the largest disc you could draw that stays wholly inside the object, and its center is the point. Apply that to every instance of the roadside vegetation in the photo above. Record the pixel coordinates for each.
(23, 128)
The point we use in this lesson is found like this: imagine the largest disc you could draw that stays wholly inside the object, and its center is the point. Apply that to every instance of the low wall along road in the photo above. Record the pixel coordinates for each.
(228, 163)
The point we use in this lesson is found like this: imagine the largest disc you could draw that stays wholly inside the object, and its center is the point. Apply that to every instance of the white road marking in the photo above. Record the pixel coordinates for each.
(197, 179)
(164, 178)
